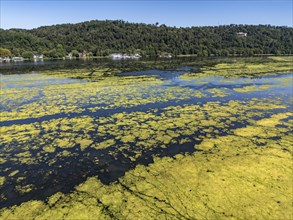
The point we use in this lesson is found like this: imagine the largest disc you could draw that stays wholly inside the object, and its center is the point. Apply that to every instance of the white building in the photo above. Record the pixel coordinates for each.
(242, 34)
(38, 57)
(69, 56)
(17, 59)
(118, 56)
(6, 59)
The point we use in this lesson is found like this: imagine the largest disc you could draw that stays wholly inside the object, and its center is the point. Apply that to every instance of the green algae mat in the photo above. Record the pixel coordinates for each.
(195, 140)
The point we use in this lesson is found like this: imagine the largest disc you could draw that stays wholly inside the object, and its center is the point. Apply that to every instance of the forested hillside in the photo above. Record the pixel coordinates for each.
(101, 38)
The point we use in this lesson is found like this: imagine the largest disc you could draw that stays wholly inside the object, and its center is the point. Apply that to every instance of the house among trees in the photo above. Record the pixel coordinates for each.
(242, 34)
(69, 56)
(17, 59)
(165, 55)
(117, 56)
(38, 57)
(84, 54)
(5, 59)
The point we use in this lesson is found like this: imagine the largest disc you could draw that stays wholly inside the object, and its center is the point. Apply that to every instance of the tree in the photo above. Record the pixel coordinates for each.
(41, 50)
(4, 52)
(60, 52)
(16, 52)
(74, 53)
(53, 53)
(27, 55)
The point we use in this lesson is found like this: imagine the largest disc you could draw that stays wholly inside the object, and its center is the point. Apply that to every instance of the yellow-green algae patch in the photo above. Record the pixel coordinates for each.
(24, 189)
(84, 143)
(244, 69)
(105, 144)
(274, 120)
(218, 92)
(49, 148)
(64, 143)
(79, 96)
(102, 89)
(143, 130)
(2, 160)
(232, 177)
(255, 88)
(265, 128)
(282, 58)
(158, 190)
(13, 173)
(2, 180)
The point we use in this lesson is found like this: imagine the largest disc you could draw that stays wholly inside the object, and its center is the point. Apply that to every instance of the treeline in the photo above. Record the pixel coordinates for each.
(101, 38)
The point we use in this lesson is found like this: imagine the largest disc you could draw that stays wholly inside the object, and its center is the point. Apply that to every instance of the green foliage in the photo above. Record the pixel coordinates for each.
(74, 53)
(104, 37)
(4, 52)
(60, 52)
(27, 55)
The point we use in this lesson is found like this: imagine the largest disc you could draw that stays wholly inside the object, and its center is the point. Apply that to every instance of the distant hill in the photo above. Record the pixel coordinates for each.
(104, 37)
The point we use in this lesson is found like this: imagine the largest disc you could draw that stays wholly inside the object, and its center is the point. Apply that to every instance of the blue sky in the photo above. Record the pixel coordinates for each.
(31, 14)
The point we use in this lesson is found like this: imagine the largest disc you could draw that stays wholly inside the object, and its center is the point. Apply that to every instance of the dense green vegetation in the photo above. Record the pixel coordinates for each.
(4, 52)
(101, 38)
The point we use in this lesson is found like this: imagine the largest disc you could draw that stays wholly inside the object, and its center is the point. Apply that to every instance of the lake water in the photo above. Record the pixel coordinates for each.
(61, 123)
